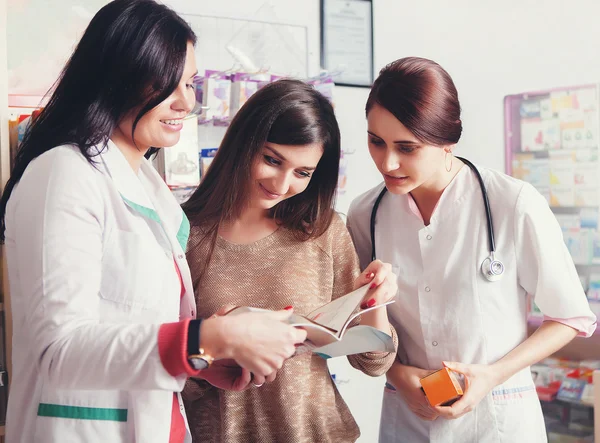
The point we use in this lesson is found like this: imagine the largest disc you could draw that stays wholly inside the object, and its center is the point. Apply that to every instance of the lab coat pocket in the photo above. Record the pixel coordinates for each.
(520, 418)
(134, 269)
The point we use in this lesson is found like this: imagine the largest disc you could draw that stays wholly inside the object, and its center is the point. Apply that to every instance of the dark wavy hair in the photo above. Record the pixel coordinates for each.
(130, 59)
(285, 112)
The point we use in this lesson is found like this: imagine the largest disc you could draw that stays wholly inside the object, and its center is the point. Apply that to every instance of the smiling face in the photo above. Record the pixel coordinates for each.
(405, 162)
(161, 126)
(282, 171)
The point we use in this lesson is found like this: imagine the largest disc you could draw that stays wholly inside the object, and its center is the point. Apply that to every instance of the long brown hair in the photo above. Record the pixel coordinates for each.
(422, 96)
(285, 112)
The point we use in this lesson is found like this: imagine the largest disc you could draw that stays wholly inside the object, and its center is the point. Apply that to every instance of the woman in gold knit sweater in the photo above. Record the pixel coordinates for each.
(264, 234)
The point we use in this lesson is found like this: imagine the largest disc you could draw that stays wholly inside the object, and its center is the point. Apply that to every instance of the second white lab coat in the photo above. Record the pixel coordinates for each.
(447, 311)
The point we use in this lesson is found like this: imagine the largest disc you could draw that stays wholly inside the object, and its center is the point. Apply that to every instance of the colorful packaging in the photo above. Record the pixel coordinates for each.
(442, 387)
(217, 95)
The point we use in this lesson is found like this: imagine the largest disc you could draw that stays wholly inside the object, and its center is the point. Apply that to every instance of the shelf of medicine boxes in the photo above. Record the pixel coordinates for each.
(580, 349)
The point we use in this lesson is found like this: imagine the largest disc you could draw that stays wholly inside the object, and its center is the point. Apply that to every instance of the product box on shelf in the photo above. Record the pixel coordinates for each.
(565, 380)
(216, 95)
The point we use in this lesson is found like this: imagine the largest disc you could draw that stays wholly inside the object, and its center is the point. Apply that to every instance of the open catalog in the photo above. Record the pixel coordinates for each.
(330, 329)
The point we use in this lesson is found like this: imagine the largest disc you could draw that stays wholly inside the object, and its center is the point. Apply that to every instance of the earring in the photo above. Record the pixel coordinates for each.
(448, 168)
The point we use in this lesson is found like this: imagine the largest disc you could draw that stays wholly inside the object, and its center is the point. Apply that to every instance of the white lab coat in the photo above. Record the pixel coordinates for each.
(90, 253)
(447, 311)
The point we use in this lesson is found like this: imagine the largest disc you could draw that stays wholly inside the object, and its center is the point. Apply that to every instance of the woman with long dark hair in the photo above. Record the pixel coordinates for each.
(264, 234)
(102, 300)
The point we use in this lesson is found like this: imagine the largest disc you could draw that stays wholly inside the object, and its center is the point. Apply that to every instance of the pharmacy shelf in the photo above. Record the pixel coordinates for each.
(581, 349)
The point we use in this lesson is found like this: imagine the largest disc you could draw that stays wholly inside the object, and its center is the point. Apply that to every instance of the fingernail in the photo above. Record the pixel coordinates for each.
(363, 306)
(371, 303)
(370, 275)
(373, 286)
(288, 308)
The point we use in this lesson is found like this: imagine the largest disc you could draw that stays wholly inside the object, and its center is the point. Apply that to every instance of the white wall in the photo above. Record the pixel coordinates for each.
(492, 49)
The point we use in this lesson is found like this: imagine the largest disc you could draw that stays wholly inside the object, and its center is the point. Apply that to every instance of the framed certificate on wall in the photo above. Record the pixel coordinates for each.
(347, 41)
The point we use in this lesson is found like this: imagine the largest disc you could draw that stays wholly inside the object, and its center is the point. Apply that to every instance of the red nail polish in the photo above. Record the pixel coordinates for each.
(373, 286)
(371, 303)
(287, 308)
(363, 306)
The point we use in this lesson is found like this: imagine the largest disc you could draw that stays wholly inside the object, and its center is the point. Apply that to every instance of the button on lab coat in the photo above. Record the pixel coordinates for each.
(447, 311)
(91, 252)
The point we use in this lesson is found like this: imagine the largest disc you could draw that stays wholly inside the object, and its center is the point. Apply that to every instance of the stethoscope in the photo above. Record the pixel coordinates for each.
(491, 268)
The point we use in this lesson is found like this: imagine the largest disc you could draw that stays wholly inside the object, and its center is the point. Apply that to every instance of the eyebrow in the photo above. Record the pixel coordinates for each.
(194, 74)
(396, 142)
(281, 157)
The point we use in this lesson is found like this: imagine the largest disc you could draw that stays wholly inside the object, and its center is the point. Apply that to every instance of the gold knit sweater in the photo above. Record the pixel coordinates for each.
(303, 404)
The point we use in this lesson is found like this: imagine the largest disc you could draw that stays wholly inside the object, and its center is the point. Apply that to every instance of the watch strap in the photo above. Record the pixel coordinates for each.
(193, 338)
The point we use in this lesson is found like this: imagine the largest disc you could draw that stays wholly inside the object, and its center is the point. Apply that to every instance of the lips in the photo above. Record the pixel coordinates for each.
(395, 179)
(269, 194)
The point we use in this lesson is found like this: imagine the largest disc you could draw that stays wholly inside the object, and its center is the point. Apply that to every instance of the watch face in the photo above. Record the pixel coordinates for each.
(198, 363)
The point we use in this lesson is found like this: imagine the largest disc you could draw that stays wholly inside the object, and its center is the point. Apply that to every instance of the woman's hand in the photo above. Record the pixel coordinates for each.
(383, 283)
(479, 382)
(406, 380)
(258, 341)
(259, 380)
(227, 374)
(223, 310)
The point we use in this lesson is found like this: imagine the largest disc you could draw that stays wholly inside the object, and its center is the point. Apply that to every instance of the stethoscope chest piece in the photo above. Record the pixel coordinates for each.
(492, 269)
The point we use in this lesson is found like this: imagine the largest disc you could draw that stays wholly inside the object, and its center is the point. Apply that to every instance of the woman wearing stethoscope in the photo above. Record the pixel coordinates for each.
(462, 276)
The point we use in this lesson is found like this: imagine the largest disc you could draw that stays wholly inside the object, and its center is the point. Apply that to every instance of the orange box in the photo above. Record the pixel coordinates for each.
(441, 387)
